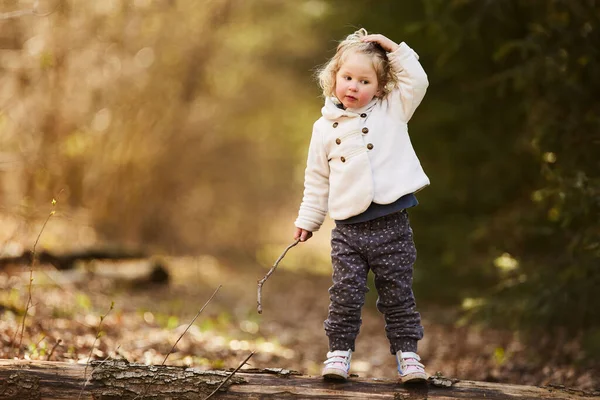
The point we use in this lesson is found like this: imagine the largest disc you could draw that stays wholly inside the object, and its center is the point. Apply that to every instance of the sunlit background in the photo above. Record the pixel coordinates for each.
(179, 128)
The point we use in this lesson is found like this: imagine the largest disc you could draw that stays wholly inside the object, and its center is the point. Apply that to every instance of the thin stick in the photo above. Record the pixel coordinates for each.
(229, 377)
(263, 280)
(54, 348)
(31, 265)
(40, 341)
(173, 348)
(98, 332)
(87, 380)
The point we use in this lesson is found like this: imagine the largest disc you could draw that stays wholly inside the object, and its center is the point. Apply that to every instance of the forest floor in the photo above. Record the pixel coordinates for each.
(146, 320)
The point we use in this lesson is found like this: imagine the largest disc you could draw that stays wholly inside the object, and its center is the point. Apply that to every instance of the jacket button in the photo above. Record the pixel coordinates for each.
(342, 159)
(370, 146)
(365, 130)
(335, 124)
(338, 141)
(363, 115)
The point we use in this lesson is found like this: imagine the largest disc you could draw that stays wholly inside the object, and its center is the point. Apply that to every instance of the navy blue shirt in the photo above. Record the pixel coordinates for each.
(379, 210)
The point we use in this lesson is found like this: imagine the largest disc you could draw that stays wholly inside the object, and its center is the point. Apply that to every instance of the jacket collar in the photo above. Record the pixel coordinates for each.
(331, 110)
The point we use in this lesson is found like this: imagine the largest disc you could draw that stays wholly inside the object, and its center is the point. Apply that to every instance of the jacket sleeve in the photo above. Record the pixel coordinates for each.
(412, 81)
(316, 186)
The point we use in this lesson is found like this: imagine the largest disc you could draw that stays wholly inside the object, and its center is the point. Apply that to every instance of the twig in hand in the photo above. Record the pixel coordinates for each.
(173, 348)
(263, 280)
(33, 260)
(229, 377)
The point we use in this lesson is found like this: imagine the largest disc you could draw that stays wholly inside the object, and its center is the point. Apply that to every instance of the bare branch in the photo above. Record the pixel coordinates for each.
(229, 377)
(33, 259)
(173, 348)
(98, 332)
(87, 380)
(58, 342)
(263, 280)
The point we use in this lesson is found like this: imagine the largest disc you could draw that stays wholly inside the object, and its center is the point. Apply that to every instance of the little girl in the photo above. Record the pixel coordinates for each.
(362, 169)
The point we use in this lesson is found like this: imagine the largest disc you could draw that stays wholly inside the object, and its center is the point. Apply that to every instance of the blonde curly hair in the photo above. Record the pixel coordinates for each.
(325, 74)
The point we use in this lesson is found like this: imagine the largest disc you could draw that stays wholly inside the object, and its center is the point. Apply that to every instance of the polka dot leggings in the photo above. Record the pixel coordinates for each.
(385, 246)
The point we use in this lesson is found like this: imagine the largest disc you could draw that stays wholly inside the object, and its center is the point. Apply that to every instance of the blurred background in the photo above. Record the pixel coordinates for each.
(180, 128)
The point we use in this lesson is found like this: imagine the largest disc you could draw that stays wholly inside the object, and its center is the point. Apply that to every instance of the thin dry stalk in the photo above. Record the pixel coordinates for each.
(40, 341)
(229, 377)
(86, 381)
(33, 259)
(98, 333)
(173, 348)
(58, 342)
(263, 280)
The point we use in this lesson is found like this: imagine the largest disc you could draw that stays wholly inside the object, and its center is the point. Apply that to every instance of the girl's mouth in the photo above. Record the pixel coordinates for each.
(351, 98)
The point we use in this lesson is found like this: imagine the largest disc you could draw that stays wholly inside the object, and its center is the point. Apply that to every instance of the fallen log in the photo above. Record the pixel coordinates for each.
(155, 272)
(116, 379)
(67, 261)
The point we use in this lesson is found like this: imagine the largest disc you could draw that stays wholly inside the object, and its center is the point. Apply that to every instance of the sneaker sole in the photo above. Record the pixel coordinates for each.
(415, 377)
(335, 375)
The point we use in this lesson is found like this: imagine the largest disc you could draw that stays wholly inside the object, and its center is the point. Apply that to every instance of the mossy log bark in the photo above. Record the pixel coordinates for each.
(25, 380)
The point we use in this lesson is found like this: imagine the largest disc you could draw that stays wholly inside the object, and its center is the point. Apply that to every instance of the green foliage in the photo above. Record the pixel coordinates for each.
(84, 301)
(168, 122)
(509, 134)
(172, 322)
(550, 64)
(529, 67)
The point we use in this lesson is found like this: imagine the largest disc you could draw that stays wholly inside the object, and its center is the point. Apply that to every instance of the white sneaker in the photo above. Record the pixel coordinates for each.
(337, 365)
(409, 367)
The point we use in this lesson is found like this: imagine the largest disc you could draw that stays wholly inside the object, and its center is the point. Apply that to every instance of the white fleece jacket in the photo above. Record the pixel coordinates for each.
(359, 156)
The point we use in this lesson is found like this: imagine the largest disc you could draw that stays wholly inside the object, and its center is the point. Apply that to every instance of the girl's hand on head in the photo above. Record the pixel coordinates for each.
(302, 234)
(387, 44)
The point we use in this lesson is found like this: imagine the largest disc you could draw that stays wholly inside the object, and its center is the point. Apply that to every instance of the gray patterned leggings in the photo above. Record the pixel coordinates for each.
(384, 245)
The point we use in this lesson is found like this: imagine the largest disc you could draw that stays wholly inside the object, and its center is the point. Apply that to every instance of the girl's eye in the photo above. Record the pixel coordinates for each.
(347, 78)
(365, 82)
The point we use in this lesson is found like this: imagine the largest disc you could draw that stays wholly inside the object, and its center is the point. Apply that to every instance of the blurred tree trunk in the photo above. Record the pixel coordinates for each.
(119, 379)
(159, 120)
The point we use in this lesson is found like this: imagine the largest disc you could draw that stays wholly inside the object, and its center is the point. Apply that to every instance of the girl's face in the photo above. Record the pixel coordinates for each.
(356, 81)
